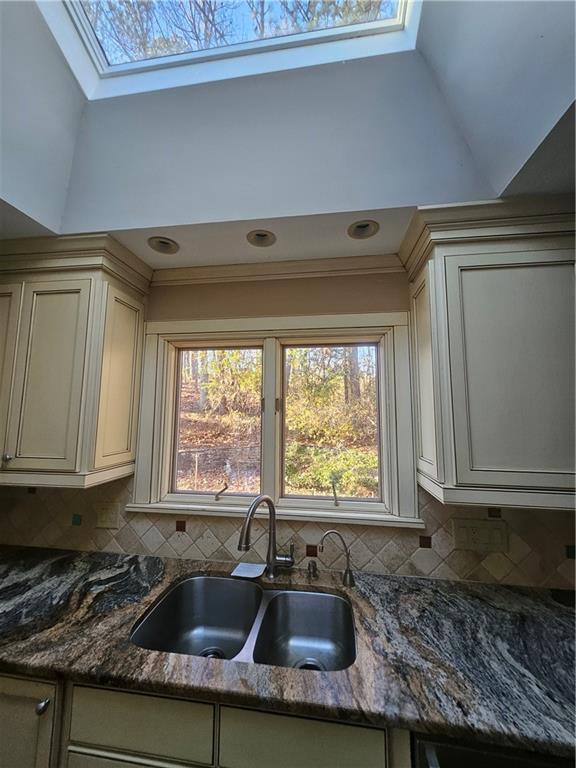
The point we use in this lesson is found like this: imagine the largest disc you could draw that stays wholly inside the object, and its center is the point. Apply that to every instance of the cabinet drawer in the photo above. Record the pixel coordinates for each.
(260, 740)
(169, 728)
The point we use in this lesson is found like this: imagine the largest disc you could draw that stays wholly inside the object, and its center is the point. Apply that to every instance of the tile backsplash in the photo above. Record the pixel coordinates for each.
(540, 543)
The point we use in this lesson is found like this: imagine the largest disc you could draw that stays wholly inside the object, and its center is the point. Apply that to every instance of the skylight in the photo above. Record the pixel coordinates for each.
(133, 31)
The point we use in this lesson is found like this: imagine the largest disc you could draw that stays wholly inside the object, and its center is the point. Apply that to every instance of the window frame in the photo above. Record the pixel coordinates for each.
(155, 456)
(99, 58)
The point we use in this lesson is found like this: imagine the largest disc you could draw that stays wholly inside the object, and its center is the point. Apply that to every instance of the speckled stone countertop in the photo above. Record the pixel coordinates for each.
(457, 659)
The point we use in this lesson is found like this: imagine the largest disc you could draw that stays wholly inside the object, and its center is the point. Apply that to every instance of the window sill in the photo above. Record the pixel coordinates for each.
(304, 515)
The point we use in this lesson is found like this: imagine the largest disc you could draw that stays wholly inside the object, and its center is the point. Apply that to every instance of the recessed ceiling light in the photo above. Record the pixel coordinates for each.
(261, 238)
(360, 230)
(163, 244)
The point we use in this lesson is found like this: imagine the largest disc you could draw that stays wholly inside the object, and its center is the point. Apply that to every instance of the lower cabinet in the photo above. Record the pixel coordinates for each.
(133, 723)
(111, 729)
(251, 739)
(27, 723)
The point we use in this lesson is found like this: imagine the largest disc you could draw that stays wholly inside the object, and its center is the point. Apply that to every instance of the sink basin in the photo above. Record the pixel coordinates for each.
(202, 616)
(223, 618)
(306, 630)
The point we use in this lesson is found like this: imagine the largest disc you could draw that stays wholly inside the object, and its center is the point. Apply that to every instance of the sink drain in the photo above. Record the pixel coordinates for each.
(212, 653)
(310, 663)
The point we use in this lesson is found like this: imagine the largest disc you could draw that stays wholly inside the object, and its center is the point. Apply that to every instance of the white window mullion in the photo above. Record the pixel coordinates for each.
(269, 419)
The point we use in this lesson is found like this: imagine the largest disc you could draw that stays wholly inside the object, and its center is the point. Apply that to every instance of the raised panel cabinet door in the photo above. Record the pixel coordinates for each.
(424, 376)
(26, 723)
(120, 380)
(511, 336)
(44, 421)
(10, 297)
(250, 739)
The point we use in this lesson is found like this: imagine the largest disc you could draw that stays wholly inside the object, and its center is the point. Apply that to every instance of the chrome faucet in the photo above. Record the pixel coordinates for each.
(273, 559)
(347, 576)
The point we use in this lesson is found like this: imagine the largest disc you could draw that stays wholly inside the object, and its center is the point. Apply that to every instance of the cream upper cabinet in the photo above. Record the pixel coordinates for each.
(70, 357)
(493, 354)
(44, 422)
(10, 300)
(27, 720)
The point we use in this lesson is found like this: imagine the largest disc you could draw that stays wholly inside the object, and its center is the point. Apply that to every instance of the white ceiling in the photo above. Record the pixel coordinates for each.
(298, 237)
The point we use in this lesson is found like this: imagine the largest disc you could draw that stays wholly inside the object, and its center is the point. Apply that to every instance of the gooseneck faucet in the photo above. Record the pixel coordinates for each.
(273, 559)
(347, 576)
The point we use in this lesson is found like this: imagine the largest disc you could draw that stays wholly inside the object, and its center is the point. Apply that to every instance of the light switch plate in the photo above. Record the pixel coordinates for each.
(107, 514)
(480, 535)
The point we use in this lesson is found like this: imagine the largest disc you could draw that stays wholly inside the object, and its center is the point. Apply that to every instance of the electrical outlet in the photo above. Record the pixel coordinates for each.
(481, 535)
(107, 514)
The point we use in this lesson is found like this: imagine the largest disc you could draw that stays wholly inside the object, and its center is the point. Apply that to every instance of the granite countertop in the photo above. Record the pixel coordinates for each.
(458, 659)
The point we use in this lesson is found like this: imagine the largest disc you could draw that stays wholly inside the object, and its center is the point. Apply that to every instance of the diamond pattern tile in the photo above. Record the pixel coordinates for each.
(536, 555)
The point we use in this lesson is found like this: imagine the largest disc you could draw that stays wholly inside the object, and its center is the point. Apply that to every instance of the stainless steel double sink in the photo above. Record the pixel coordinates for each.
(225, 618)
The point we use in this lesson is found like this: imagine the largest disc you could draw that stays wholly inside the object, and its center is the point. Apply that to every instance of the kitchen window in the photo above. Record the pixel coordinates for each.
(316, 415)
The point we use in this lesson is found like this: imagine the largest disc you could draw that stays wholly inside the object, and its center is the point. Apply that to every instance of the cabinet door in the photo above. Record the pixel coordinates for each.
(25, 734)
(428, 446)
(511, 338)
(120, 380)
(251, 739)
(10, 297)
(44, 421)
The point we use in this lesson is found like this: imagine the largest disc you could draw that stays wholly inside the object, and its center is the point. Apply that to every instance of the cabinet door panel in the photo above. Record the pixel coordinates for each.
(25, 737)
(120, 385)
(511, 321)
(44, 422)
(425, 387)
(259, 740)
(166, 728)
(10, 296)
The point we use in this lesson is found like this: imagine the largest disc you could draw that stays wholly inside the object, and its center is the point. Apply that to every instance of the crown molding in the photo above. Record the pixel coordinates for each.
(465, 222)
(279, 270)
(74, 252)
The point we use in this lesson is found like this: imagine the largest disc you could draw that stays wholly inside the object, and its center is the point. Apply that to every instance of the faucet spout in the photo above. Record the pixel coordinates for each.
(273, 559)
(347, 576)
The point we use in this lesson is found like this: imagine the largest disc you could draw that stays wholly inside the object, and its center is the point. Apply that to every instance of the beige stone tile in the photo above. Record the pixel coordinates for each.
(443, 571)
(517, 548)
(193, 553)
(165, 525)
(443, 542)
(497, 564)
(408, 541)
(139, 522)
(128, 540)
(516, 577)
(391, 557)
(152, 540)
(220, 556)
(480, 574)
(463, 561)
(180, 542)
(566, 570)
(531, 566)
(207, 543)
(165, 550)
(374, 566)
(376, 538)
(425, 560)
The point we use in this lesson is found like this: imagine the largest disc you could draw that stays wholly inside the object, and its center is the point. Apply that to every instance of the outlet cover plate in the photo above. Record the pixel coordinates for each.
(107, 514)
(480, 535)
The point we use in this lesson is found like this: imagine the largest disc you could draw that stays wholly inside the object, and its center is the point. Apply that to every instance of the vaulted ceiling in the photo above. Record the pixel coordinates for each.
(476, 102)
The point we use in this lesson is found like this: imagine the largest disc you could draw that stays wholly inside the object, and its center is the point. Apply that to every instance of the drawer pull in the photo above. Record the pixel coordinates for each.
(6, 457)
(42, 706)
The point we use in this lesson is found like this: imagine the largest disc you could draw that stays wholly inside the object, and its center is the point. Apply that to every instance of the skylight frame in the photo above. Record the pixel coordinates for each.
(107, 70)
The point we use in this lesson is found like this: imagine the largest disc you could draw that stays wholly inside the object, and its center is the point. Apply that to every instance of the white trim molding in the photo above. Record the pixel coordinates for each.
(152, 488)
